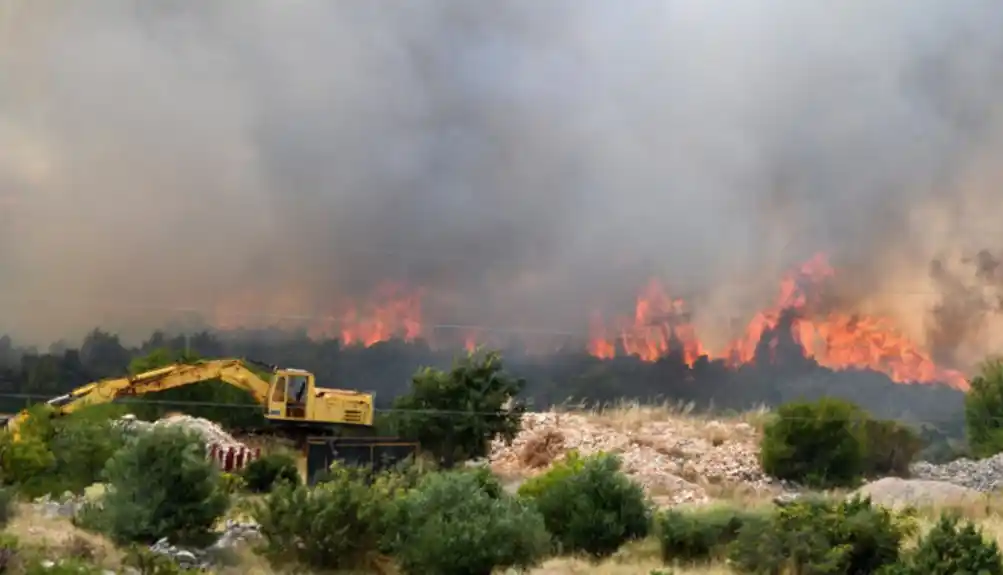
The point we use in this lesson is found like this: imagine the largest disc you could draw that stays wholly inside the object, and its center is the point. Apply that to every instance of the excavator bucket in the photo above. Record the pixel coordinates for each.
(376, 453)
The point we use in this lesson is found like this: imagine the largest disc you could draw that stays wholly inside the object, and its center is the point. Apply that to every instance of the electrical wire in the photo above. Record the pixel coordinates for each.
(566, 408)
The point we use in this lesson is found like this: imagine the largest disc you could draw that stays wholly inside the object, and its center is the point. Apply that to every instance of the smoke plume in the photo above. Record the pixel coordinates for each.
(522, 162)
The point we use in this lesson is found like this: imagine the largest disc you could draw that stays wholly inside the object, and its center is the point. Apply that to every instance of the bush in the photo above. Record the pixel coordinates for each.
(589, 506)
(262, 474)
(26, 463)
(984, 410)
(819, 444)
(700, 535)
(338, 524)
(62, 454)
(8, 505)
(162, 485)
(949, 548)
(487, 481)
(82, 444)
(572, 464)
(820, 537)
(456, 414)
(451, 525)
(891, 447)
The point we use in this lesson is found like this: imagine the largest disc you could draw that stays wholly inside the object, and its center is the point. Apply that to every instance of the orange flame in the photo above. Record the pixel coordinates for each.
(659, 325)
(837, 341)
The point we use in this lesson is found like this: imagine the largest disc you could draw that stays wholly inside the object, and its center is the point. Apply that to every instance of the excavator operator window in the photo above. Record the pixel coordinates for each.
(296, 402)
(279, 395)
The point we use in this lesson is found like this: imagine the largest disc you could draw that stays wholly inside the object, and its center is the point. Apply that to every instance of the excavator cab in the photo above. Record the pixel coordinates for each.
(293, 397)
(291, 393)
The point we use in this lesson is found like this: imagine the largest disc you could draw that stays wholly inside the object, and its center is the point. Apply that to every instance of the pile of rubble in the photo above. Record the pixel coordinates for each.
(677, 459)
(228, 453)
(979, 474)
(234, 533)
(211, 433)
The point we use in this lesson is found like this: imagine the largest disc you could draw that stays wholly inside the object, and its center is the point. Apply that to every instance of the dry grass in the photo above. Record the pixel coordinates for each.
(542, 449)
(57, 537)
(631, 415)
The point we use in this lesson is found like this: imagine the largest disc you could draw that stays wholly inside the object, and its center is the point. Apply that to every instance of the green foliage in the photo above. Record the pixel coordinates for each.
(702, 534)
(433, 412)
(162, 485)
(950, 548)
(338, 524)
(82, 444)
(488, 481)
(8, 505)
(891, 447)
(817, 536)
(451, 525)
(589, 505)
(61, 454)
(819, 444)
(572, 464)
(26, 460)
(984, 410)
(263, 473)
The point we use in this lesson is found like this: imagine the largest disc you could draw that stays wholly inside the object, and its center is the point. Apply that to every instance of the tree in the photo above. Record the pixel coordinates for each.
(455, 414)
(162, 485)
(984, 410)
(820, 444)
(451, 525)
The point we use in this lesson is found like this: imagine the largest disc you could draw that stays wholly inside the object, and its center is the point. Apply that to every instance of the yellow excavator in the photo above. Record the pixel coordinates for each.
(290, 397)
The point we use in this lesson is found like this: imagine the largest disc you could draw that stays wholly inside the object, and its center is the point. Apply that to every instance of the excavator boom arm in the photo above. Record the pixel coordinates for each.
(231, 371)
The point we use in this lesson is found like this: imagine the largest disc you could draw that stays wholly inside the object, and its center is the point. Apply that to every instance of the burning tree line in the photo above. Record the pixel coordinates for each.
(778, 371)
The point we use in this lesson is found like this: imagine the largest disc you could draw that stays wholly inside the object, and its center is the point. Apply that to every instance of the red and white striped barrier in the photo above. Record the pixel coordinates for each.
(230, 458)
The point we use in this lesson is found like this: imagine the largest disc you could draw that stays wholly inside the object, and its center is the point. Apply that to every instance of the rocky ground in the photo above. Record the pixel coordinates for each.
(677, 458)
(984, 475)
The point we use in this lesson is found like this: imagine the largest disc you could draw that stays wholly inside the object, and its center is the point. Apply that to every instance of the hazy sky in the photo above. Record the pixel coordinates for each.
(523, 162)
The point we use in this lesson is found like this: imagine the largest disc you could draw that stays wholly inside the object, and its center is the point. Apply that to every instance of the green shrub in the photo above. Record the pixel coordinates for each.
(451, 525)
(949, 549)
(589, 506)
(162, 485)
(455, 414)
(816, 536)
(338, 524)
(700, 535)
(891, 447)
(26, 464)
(487, 480)
(82, 444)
(8, 505)
(819, 444)
(262, 474)
(572, 464)
(984, 410)
(62, 454)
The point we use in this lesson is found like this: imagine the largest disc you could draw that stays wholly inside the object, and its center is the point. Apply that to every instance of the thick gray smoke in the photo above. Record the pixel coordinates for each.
(523, 162)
